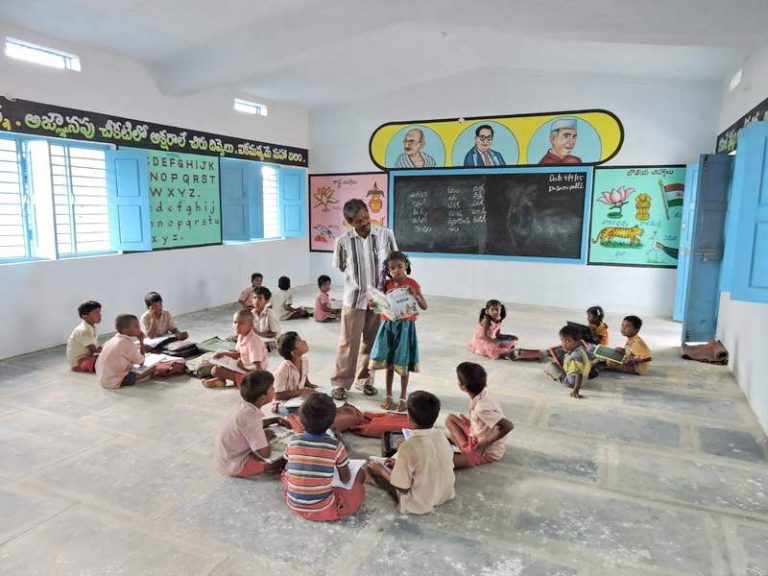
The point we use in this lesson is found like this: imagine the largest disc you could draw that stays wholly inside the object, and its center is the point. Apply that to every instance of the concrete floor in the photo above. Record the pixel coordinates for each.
(664, 474)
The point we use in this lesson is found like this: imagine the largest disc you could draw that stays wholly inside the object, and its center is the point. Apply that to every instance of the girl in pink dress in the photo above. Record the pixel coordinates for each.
(488, 340)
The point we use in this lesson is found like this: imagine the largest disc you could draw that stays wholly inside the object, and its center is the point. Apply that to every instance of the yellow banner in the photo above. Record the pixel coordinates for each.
(555, 138)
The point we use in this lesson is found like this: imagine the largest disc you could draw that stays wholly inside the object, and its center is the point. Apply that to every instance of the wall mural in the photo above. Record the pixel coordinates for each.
(554, 138)
(327, 195)
(636, 216)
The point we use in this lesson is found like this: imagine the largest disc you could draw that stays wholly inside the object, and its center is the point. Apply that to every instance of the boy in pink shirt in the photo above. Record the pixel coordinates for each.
(243, 440)
(324, 312)
(292, 375)
(250, 353)
(120, 353)
(481, 436)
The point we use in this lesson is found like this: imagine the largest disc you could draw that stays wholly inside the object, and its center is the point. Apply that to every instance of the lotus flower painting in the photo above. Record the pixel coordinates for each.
(616, 199)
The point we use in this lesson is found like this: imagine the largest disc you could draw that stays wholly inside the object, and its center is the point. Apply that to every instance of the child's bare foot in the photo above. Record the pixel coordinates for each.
(402, 406)
(214, 383)
(388, 404)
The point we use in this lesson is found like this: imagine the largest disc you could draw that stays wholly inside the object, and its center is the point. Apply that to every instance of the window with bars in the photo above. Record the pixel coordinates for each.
(79, 190)
(270, 202)
(53, 199)
(13, 237)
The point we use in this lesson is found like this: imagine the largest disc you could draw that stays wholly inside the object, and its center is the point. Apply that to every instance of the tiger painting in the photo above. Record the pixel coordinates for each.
(612, 234)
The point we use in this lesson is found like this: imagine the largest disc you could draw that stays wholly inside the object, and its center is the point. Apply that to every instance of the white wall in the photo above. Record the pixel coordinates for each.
(38, 300)
(665, 122)
(188, 279)
(743, 326)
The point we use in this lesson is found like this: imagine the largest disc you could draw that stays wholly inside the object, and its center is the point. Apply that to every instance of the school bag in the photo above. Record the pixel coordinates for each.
(183, 349)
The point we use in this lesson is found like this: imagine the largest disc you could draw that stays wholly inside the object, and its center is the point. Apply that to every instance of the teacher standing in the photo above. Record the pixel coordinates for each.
(360, 254)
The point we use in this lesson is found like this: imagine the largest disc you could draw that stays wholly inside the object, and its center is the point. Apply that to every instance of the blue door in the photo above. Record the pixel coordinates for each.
(750, 235)
(702, 294)
(686, 240)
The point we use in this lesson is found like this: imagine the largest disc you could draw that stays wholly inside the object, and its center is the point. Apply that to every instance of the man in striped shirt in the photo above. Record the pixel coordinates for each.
(312, 458)
(360, 254)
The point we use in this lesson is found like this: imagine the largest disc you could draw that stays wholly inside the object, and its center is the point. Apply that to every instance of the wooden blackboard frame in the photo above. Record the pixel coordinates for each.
(586, 169)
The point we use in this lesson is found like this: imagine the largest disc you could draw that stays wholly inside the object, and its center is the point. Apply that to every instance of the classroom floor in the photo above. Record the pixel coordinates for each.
(664, 474)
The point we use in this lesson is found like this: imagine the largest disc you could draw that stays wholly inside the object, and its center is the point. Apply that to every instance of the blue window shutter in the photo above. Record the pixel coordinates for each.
(292, 193)
(235, 213)
(750, 268)
(128, 200)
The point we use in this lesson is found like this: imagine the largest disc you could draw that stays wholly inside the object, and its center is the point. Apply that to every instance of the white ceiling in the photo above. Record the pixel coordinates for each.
(319, 52)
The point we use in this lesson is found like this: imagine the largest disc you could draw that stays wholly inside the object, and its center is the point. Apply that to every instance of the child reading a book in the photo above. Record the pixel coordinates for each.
(291, 377)
(250, 355)
(481, 436)
(282, 301)
(156, 321)
(324, 312)
(576, 365)
(246, 296)
(488, 340)
(243, 439)
(120, 353)
(396, 347)
(82, 348)
(265, 322)
(421, 477)
(637, 355)
(311, 458)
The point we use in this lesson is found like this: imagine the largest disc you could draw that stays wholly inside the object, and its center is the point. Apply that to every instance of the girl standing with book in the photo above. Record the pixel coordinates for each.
(396, 347)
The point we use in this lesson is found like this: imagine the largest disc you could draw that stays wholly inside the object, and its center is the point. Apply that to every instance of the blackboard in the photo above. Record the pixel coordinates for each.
(525, 213)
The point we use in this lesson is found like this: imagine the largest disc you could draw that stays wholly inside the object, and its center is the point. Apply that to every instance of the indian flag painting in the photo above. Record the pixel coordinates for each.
(672, 194)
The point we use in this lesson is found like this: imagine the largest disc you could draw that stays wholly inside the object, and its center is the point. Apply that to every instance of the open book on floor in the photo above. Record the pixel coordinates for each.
(229, 363)
(158, 342)
(150, 360)
(216, 344)
(608, 353)
(354, 468)
(278, 443)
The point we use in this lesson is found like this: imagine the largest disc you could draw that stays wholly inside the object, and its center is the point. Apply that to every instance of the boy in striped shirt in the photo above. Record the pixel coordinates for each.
(312, 458)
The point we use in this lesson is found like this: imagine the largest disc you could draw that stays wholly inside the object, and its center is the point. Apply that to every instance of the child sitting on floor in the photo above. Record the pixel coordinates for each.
(637, 355)
(282, 301)
(120, 353)
(156, 321)
(265, 322)
(312, 458)
(422, 475)
(82, 349)
(576, 364)
(250, 353)
(242, 440)
(481, 436)
(292, 376)
(324, 312)
(488, 340)
(246, 296)
(597, 326)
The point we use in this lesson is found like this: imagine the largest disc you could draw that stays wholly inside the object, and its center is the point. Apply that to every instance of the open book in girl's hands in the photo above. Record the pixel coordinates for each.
(395, 304)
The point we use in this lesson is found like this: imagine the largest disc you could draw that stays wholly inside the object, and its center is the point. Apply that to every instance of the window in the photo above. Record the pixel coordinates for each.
(249, 107)
(13, 238)
(261, 201)
(53, 199)
(80, 198)
(270, 202)
(21, 50)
